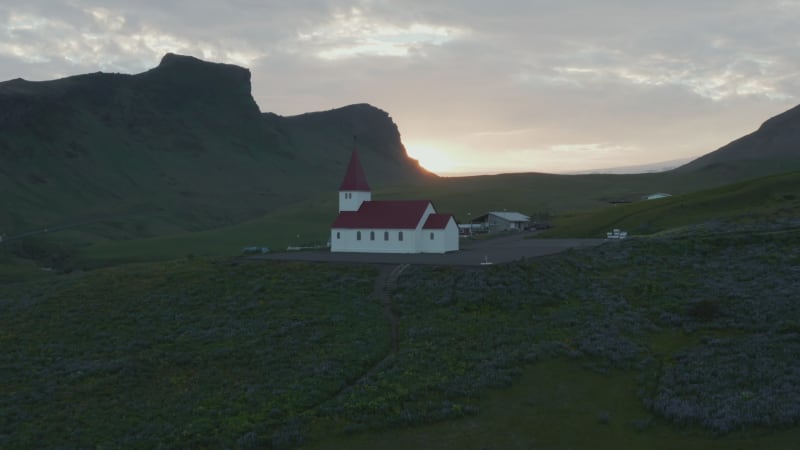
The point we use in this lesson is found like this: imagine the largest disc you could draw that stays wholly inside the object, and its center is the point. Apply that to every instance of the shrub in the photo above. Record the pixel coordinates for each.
(705, 310)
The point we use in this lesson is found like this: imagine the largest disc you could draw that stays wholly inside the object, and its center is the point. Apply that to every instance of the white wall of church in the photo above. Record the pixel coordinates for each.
(351, 200)
(373, 241)
(417, 240)
(432, 241)
(451, 242)
(440, 241)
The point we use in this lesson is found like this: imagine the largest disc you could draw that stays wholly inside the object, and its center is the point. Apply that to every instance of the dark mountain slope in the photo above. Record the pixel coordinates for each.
(180, 147)
(774, 147)
(369, 127)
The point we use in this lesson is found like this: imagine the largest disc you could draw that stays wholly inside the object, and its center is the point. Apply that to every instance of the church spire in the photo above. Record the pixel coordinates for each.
(354, 178)
(354, 190)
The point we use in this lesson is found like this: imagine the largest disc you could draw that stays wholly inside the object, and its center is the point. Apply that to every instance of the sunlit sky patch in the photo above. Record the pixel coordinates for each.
(352, 34)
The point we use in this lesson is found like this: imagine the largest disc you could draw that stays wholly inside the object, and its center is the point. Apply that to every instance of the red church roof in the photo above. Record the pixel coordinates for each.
(437, 221)
(354, 179)
(388, 214)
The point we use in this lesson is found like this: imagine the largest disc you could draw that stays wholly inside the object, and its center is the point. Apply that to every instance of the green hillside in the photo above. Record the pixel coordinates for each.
(773, 147)
(618, 346)
(775, 197)
(554, 198)
(182, 147)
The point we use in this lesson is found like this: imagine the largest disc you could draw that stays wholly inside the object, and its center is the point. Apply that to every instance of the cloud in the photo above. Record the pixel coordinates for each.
(503, 85)
(352, 33)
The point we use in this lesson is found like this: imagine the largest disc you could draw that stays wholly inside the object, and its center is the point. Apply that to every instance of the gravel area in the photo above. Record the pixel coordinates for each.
(496, 250)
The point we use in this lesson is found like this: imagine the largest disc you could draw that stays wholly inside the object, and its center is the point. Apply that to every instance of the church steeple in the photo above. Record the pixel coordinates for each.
(354, 178)
(354, 189)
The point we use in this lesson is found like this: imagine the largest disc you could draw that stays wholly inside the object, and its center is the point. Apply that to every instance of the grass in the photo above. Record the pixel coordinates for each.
(148, 227)
(559, 404)
(16, 269)
(599, 342)
(203, 351)
(545, 195)
(190, 353)
(303, 224)
(776, 196)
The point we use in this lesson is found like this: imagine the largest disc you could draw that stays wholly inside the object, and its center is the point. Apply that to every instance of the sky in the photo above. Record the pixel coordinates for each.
(474, 86)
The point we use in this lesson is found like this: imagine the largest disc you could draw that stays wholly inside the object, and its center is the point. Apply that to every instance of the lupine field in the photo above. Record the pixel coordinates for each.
(703, 325)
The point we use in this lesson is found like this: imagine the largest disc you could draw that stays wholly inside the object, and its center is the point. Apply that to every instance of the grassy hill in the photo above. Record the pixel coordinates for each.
(578, 205)
(775, 197)
(774, 147)
(619, 346)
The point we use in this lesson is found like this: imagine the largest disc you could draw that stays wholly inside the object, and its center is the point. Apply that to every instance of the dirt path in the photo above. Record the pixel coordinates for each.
(385, 296)
(385, 283)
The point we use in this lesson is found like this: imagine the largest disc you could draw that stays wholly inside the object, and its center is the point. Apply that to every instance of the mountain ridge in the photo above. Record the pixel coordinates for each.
(184, 140)
(774, 146)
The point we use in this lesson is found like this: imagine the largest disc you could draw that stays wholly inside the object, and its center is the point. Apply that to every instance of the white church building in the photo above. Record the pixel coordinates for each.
(387, 226)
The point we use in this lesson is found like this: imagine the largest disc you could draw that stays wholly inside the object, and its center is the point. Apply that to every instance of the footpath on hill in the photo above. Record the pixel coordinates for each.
(385, 284)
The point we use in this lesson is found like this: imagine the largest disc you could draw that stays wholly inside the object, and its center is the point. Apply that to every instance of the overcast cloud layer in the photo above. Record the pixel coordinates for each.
(475, 86)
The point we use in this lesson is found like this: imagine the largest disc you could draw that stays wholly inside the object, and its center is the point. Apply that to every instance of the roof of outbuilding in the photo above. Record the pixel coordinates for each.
(511, 216)
(388, 214)
(437, 221)
(354, 178)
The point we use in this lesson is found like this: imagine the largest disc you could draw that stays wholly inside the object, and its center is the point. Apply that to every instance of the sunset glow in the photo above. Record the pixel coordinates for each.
(433, 158)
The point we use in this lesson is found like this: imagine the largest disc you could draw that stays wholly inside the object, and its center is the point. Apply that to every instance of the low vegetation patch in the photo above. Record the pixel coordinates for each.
(192, 353)
(214, 353)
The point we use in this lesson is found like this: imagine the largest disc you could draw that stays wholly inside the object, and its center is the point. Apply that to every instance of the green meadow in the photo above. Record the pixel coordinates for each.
(679, 337)
(775, 197)
(640, 343)
(148, 234)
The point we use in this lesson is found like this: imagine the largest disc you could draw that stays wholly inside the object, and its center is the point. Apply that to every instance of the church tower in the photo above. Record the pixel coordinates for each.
(354, 189)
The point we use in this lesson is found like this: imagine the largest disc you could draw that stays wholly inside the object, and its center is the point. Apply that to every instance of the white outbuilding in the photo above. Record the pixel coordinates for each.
(387, 226)
(496, 221)
(657, 196)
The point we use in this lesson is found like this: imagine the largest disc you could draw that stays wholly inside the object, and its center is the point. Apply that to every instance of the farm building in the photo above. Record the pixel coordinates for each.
(387, 226)
(497, 221)
(657, 196)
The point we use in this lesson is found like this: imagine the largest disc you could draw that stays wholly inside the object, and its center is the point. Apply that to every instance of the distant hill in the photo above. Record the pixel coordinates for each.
(774, 147)
(772, 199)
(180, 147)
(659, 166)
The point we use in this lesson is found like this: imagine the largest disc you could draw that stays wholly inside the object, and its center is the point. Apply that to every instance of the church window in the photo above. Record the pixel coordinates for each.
(358, 235)
(385, 235)
(371, 235)
(431, 235)
(400, 236)
(338, 235)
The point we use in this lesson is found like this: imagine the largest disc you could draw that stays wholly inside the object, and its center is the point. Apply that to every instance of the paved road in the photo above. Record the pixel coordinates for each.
(497, 250)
